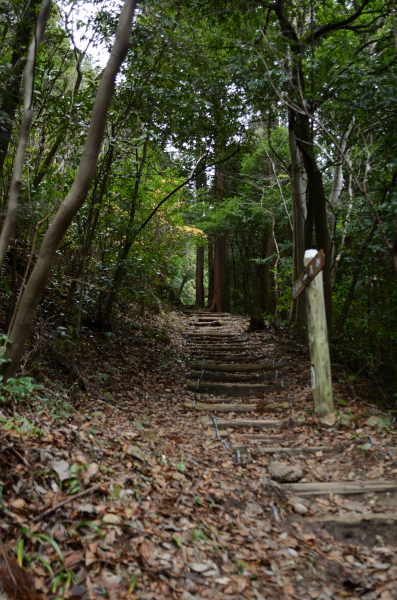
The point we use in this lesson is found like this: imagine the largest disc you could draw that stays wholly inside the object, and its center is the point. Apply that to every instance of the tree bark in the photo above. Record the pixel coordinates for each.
(16, 183)
(50, 156)
(318, 201)
(95, 211)
(200, 301)
(350, 295)
(74, 199)
(184, 280)
(210, 274)
(11, 90)
(218, 303)
(129, 240)
(299, 211)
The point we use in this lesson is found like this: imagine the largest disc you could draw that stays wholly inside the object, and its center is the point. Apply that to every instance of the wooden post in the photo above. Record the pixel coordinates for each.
(318, 343)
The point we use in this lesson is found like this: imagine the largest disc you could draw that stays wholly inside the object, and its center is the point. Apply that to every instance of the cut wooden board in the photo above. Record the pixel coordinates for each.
(388, 518)
(221, 348)
(213, 400)
(223, 368)
(254, 423)
(234, 390)
(224, 408)
(216, 323)
(290, 451)
(233, 358)
(228, 378)
(339, 487)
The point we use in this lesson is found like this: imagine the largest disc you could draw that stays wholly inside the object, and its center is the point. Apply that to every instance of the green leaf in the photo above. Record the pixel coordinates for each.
(53, 543)
(93, 526)
(20, 547)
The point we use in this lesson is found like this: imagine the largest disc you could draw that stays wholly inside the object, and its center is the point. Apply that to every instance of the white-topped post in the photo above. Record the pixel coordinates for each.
(318, 343)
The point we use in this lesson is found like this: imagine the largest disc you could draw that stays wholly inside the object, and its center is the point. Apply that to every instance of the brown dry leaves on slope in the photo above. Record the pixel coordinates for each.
(129, 497)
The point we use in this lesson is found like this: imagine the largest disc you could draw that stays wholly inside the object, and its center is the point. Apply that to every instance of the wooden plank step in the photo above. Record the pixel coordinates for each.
(324, 488)
(220, 348)
(246, 400)
(209, 323)
(234, 389)
(231, 352)
(243, 368)
(308, 451)
(244, 423)
(388, 518)
(228, 378)
(199, 335)
(232, 358)
(224, 408)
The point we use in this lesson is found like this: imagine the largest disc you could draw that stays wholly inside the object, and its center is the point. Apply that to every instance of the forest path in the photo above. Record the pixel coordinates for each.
(145, 500)
(331, 477)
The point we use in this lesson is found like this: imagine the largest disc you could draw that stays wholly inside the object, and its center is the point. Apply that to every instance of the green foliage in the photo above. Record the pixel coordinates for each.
(13, 389)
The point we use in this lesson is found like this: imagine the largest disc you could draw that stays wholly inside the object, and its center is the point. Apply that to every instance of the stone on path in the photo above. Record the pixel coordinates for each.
(300, 509)
(284, 473)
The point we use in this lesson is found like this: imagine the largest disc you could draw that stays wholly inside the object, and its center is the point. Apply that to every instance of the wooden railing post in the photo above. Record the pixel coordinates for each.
(318, 343)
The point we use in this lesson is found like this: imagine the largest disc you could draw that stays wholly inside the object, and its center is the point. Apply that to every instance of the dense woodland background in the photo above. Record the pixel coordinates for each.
(257, 129)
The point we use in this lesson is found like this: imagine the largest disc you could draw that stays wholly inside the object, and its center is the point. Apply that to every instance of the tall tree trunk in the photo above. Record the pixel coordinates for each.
(271, 299)
(200, 301)
(210, 274)
(95, 211)
(74, 199)
(227, 278)
(16, 183)
(318, 201)
(356, 273)
(129, 240)
(50, 156)
(218, 303)
(184, 280)
(298, 191)
(12, 87)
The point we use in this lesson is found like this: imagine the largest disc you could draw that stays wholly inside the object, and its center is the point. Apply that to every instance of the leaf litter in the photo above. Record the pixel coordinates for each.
(130, 496)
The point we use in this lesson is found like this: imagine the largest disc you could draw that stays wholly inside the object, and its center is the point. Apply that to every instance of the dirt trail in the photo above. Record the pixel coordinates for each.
(156, 502)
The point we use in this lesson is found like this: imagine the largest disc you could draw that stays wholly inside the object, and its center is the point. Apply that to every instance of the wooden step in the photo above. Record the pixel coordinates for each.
(243, 368)
(216, 323)
(232, 358)
(223, 408)
(386, 518)
(234, 390)
(228, 378)
(244, 423)
(308, 451)
(219, 348)
(324, 488)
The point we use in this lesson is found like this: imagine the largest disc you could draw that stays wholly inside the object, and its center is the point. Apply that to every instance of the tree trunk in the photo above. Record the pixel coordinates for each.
(16, 183)
(271, 299)
(49, 158)
(219, 301)
(129, 240)
(200, 301)
(95, 211)
(74, 199)
(11, 90)
(184, 280)
(318, 202)
(299, 211)
(356, 273)
(210, 274)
